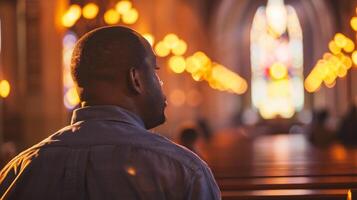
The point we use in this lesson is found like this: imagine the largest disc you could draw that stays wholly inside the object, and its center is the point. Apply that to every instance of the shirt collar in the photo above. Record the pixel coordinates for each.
(106, 112)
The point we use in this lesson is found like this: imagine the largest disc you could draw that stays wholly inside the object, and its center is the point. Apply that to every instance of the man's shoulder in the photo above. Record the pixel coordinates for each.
(129, 137)
(162, 146)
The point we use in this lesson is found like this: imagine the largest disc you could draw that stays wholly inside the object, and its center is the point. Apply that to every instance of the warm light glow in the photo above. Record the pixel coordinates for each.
(177, 64)
(350, 46)
(353, 23)
(150, 38)
(161, 49)
(340, 40)
(131, 16)
(71, 98)
(111, 17)
(192, 64)
(123, 7)
(90, 11)
(312, 85)
(277, 16)
(339, 152)
(354, 57)
(334, 48)
(131, 171)
(331, 85)
(276, 51)
(278, 71)
(4, 88)
(177, 97)
(180, 48)
(71, 16)
(171, 40)
(349, 195)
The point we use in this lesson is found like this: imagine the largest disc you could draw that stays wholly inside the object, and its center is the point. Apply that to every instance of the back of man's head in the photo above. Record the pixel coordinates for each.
(105, 53)
(116, 66)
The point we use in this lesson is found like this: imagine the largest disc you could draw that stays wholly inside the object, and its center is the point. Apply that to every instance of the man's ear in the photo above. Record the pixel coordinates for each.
(134, 80)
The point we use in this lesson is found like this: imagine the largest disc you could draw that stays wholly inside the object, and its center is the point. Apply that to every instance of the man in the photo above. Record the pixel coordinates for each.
(107, 152)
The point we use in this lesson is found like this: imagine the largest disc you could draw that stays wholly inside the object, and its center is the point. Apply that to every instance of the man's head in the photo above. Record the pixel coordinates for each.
(116, 66)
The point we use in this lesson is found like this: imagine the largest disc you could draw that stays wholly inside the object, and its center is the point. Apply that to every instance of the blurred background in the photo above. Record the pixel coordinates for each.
(227, 63)
(284, 72)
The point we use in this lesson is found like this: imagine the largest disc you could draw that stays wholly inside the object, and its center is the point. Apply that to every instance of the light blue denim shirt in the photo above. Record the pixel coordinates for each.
(106, 153)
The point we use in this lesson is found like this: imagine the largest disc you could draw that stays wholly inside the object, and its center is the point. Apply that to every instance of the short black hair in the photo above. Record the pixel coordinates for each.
(104, 52)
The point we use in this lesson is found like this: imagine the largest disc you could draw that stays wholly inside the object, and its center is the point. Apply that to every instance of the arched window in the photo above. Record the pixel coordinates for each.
(277, 60)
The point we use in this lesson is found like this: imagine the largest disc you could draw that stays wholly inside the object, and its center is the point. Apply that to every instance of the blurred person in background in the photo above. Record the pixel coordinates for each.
(347, 131)
(318, 132)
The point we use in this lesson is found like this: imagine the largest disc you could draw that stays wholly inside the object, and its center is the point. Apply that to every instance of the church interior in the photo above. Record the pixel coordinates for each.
(266, 88)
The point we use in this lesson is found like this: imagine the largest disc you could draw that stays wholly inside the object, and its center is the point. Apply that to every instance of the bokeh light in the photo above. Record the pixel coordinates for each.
(90, 11)
(180, 48)
(123, 6)
(333, 47)
(131, 16)
(340, 40)
(353, 23)
(111, 17)
(71, 16)
(350, 46)
(354, 57)
(278, 71)
(161, 49)
(71, 98)
(171, 40)
(4, 88)
(177, 64)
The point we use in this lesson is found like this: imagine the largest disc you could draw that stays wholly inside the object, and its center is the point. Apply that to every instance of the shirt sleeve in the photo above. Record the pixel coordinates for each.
(203, 186)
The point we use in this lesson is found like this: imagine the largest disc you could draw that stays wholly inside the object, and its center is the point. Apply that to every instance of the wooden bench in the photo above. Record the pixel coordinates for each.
(280, 167)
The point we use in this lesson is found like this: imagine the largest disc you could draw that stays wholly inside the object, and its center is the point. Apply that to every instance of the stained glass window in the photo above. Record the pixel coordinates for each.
(277, 61)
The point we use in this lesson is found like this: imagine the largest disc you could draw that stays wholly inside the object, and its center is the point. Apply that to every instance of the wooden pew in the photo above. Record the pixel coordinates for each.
(280, 167)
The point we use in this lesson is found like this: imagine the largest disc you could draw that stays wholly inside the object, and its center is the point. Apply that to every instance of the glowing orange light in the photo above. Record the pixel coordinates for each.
(71, 16)
(171, 40)
(354, 57)
(334, 48)
(330, 78)
(349, 195)
(4, 88)
(71, 98)
(180, 48)
(339, 152)
(278, 71)
(111, 16)
(353, 23)
(131, 171)
(150, 38)
(177, 64)
(131, 16)
(350, 46)
(342, 72)
(161, 49)
(347, 61)
(340, 40)
(123, 6)
(330, 85)
(311, 84)
(90, 11)
(192, 64)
